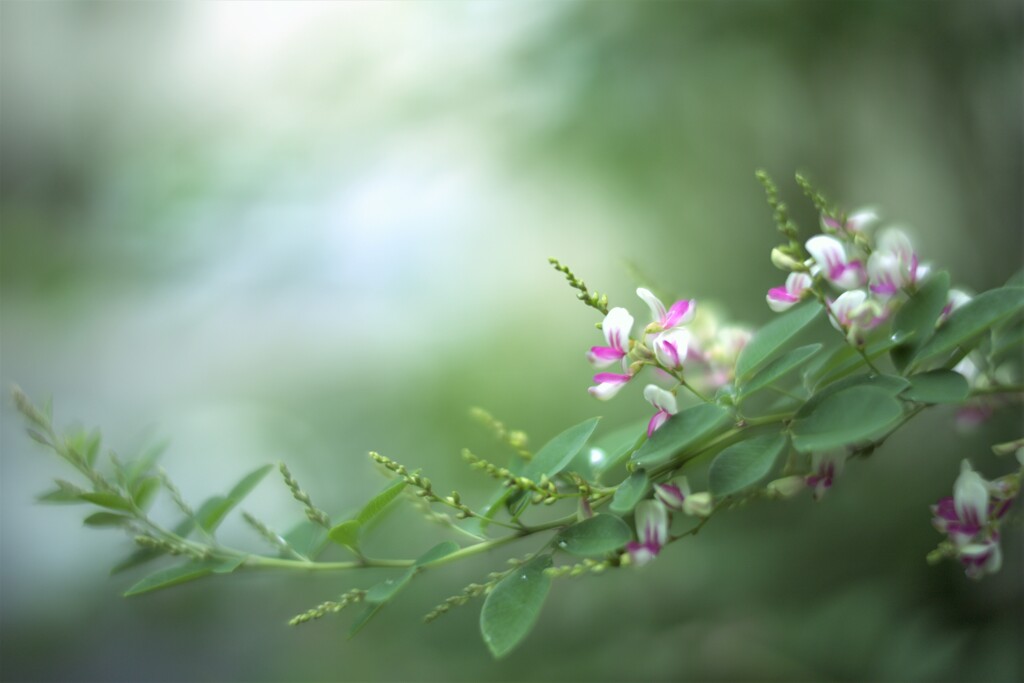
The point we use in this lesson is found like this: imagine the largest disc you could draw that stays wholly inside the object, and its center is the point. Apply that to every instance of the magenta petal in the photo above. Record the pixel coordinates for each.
(613, 377)
(782, 294)
(606, 353)
(676, 313)
(657, 420)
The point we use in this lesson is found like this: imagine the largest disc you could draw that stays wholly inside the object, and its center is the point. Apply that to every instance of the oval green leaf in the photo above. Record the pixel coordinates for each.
(744, 463)
(559, 452)
(772, 336)
(443, 549)
(777, 368)
(346, 534)
(172, 576)
(891, 384)
(938, 386)
(629, 493)
(212, 512)
(916, 318)
(594, 537)
(106, 519)
(847, 360)
(380, 502)
(111, 501)
(388, 588)
(512, 607)
(680, 431)
(970, 321)
(856, 414)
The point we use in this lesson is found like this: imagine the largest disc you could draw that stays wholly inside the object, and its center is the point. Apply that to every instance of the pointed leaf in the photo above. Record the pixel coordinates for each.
(388, 588)
(745, 463)
(859, 413)
(559, 452)
(379, 502)
(777, 368)
(594, 537)
(773, 336)
(938, 386)
(307, 538)
(106, 519)
(172, 576)
(512, 607)
(144, 491)
(213, 511)
(346, 534)
(144, 463)
(681, 431)
(917, 317)
(439, 551)
(966, 325)
(111, 501)
(629, 493)
(60, 496)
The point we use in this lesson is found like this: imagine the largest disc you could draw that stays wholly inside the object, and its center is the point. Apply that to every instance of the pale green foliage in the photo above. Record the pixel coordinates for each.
(847, 399)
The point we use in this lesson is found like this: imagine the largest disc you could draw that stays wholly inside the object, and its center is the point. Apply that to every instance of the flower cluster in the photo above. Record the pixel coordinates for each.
(653, 517)
(671, 345)
(971, 518)
(871, 276)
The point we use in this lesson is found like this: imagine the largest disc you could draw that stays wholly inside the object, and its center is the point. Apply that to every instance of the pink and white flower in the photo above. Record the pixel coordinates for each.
(672, 347)
(608, 384)
(676, 495)
(855, 223)
(971, 518)
(679, 313)
(782, 298)
(825, 469)
(954, 300)
(651, 530)
(896, 261)
(831, 260)
(616, 327)
(664, 401)
(854, 312)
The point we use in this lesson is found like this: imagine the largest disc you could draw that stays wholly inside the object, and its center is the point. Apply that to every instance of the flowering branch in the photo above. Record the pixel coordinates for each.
(763, 419)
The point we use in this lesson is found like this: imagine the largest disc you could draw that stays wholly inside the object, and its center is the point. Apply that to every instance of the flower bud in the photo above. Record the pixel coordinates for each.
(784, 261)
(786, 487)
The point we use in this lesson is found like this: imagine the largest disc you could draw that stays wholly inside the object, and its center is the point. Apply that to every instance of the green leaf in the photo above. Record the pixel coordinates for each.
(968, 322)
(144, 555)
(379, 502)
(594, 537)
(60, 496)
(111, 501)
(613, 447)
(229, 565)
(629, 493)
(916, 318)
(441, 550)
(856, 414)
(559, 452)
(680, 431)
(307, 538)
(745, 463)
(891, 384)
(938, 386)
(388, 588)
(847, 360)
(385, 591)
(144, 491)
(106, 519)
(772, 336)
(212, 512)
(346, 534)
(777, 368)
(144, 463)
(172, 576)
(551, 459)
(512, 607)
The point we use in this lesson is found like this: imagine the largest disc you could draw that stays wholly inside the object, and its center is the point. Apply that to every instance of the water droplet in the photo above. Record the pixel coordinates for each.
(562, 544)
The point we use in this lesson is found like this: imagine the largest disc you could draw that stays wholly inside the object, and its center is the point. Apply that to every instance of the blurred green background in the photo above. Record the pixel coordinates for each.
(304, 230)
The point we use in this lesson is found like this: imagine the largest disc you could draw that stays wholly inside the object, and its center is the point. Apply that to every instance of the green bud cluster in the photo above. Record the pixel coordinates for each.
(313, 513)
(587, 566)
(545, 489)
(330, 607)
(596, 301)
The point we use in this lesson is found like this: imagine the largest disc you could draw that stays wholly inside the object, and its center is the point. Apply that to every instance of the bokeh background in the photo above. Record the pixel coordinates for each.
(304, 230)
